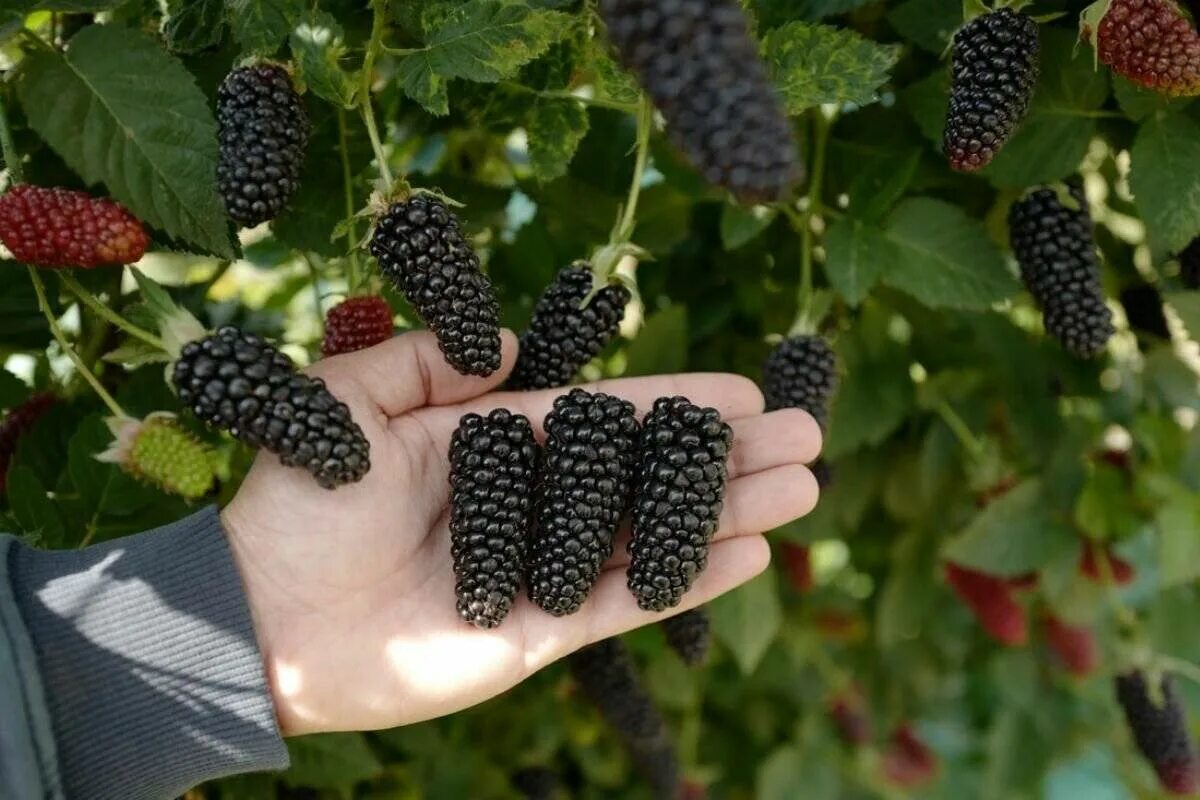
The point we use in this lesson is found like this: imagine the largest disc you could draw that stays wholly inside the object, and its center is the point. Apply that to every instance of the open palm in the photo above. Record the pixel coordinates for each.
(352, 591)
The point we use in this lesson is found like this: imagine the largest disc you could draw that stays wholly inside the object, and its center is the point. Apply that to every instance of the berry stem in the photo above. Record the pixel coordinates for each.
(629, 214)
(1178, 666)
(106, 313)
(40, 289)
(12, 159)
(352, 270)
(804, 297)
(378, 22)
(315, 281)
(960, 429)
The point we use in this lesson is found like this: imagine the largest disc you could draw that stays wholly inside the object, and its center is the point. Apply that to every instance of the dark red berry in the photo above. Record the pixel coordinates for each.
(907, 761)
(356, 324)
(17, 422)
(1099, 564)
(990, 600)
(1073, 645)
(797, 565)
(64, 228)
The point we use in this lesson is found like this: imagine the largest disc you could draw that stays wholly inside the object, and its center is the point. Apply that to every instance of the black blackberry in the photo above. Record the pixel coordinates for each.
(701, 68)
(563, 336)
(801, 372)
(1189, 264)
(591, 454)
(492, 468)
(421, 249)
(688, 635)
(680, 488)
(263, 131)
(1160, 731)
(1144, 310)
(994, 70)
(1054, 246)
(537, 783)
(237, 382)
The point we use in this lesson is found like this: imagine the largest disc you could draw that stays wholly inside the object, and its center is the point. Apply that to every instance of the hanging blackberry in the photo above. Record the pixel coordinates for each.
(492, 464)
(801, 372)
(1160, 730)
(994, 70)
(591, 442)
(262, 130)
(1189, 264)
(701, 68)
(421, 249)
(689, 635)
(680, 489)
(563, 334)
(237, 382)
(1144, 309)
(1054, 246)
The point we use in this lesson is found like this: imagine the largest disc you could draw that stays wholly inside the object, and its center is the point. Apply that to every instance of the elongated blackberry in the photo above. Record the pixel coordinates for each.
(701, 68)
(591, 453)
(994, 70)
(492, 467)
(563, 336)
(16, 424)
(1160, 731)
(1150, 42)
(1144, 310)
(237, 382)
(801, 372)
(1189, 264)
(263, 131)
(689, 635)
(51, 227)
(421, 249)
(680, 491)
(1057, 254)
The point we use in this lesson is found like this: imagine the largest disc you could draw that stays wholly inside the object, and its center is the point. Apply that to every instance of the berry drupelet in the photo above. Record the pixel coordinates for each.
(680, 490)
(700, 66)
(1160, 730)
(689, 635)
(356, 324)
(63, 228)
(801, 372)
(994, 70)
(1151, 43)
(591, 452)
(263, 131)
(237, 382)
(564, 334)
(421, 249)
(493, 460)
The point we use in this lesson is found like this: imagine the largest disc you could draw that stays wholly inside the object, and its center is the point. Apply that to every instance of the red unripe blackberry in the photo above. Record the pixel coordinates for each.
(994, 70)
(680, 491)
(700, 66)
(990, 600)
(689, 635)
(64, 228)
(801, 372)
(583, 489)
(17, 422)
(908, 762)
(263, 131)
(1092, 565)
(1150, 42)
(357, 323)
(797, 565)
(237, 382)
(1189, 264)
(1073, 645)
(421, 249)
(1057, 254)
(1160, 731)
(493, 461)
(852, 717)
(563, 334)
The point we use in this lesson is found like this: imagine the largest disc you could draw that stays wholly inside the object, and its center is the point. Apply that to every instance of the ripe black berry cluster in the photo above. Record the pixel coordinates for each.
(700, 66)
(236, 381)
(1160, 730)
(492, 467)
(680, 491)
(582, 493)
(564, 334)
(421, 249)
(689, 635)
(801, 372)
(1057, 254)
(263, 132)
(995, 67)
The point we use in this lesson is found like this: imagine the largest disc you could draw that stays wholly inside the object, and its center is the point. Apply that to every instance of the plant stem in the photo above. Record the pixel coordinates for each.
(352, 271)
(960, 429)
(1180, 667)
(598, 102)
(12, 159)
(103, 311)
(813, 209)
(56, 331)
(629, 214)
(378, 21)
(316, 287)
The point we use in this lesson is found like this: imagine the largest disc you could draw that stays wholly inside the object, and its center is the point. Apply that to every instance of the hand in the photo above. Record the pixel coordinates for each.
(352, 591)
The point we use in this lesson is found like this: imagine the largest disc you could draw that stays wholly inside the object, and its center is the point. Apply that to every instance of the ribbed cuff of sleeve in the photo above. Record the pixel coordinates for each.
(149, 662)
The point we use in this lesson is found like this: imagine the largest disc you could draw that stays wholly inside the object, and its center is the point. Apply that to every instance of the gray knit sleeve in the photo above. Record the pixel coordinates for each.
(149, 663)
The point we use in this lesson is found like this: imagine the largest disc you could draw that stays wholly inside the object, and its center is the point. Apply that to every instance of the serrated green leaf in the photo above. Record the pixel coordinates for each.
(194, 25)
(1165, 178)
(483, 41)
(816, 64)
(33, 510)
(554, 127)
(121, 111)
(1014, 535)
(104, 488)
(740, 225)
(330, 761)
(1138, 102)
(855, 256)
(317, 46)
(608, 79)
(661, 345)
(261, 26)
(747, 620)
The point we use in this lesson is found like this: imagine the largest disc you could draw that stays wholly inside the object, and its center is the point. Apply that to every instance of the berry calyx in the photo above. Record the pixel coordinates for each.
(50, 227)
(357, 323)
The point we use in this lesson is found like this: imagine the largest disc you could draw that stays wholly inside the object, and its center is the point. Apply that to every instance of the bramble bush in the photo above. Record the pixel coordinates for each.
(1010, 524)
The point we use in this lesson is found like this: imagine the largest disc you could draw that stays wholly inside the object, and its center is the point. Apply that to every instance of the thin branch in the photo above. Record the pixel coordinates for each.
(103, 311)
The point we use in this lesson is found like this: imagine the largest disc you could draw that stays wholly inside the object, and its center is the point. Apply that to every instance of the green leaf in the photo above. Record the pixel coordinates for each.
(1015, 534)
(1138, 102)
(855, 255)
(1178, 522)
(944, 258)
(740, 225)
(318, 47)
(789, 767)
(330, 761)
(1165, 178)
(908, 593)
(1187, 305)
(119, 110)
(484, 41)
(21, 323)
(104, 488)
(554, 127)
(261, 26)
(608, 79)
(33, 510)
(12, 389)
(930, 24)
(661, 345)
(194, 25)
(747, 619)
(816, 64)
(876, 392)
